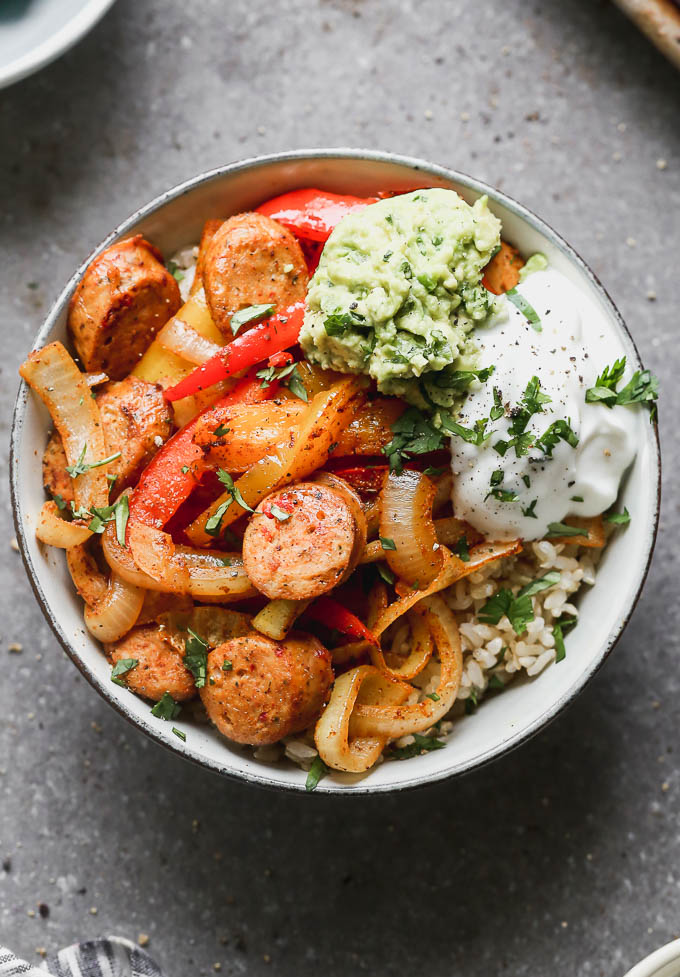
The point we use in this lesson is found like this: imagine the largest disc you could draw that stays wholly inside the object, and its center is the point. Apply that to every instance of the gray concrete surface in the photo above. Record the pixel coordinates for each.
(563, 858)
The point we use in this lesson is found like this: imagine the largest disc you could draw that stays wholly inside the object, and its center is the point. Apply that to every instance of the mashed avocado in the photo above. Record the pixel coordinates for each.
(397, 292)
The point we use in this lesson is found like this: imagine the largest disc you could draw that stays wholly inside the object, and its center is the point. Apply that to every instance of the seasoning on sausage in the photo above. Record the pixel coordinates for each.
(252, 260)
(299, 542)
(259, 690)
(159, 665)
(122, 300)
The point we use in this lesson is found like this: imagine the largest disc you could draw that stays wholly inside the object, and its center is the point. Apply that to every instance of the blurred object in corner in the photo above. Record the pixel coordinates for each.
(35, 32)
(660, 21)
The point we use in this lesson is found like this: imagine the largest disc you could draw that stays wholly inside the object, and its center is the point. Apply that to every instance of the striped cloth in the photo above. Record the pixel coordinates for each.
(112, 957)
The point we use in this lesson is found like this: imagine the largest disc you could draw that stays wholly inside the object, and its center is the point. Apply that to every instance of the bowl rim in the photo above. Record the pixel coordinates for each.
(159, 736)
(652, 965)
(53, 47)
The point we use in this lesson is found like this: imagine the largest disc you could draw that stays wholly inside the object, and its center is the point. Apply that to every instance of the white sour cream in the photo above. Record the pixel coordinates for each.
(573, 347)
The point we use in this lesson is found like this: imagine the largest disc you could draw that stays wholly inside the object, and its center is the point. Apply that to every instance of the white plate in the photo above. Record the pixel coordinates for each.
(35, 32)
(174, 220)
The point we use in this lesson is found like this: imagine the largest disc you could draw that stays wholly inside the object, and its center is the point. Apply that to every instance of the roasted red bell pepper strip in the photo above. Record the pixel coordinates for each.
(333, 615)
(257, 344)
(171, 476)
(312, 214)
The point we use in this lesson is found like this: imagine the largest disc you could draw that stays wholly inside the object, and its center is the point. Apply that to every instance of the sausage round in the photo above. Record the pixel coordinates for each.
(136, 420)
(252, 260)
(306, 554)
(160, 667)
(122, 300)
(259, 690)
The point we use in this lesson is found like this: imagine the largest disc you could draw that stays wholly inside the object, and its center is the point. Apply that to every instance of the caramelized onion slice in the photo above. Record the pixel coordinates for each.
(420, 649)
(200, 573)
(55, 531)
(116, 613)
(183, 340)
(339, 750)
(52, 373)
(392, 720)
(406, 520)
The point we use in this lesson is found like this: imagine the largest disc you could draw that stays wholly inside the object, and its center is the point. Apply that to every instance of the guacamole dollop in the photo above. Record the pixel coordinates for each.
(398, 291)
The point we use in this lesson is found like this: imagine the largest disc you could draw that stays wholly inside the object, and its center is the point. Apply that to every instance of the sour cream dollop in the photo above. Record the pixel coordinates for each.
(575, 344)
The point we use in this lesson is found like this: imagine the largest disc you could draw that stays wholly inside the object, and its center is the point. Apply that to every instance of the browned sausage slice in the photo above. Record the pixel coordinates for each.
(252, 260)
(259, 690)
(306, 554)
(136, 420)
(160, 666)
(122, 300)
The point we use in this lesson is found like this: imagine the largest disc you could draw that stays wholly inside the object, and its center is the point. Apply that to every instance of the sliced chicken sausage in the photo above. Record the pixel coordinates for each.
(122, 300)
(300, 541)
(252, 260)
(159, 667)
(136, 420)
(259, 690)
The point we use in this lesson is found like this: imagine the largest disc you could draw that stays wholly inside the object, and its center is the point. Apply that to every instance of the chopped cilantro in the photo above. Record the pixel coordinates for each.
(557, 529)
(433, 696)
(387, 543)
(166, 708)
(180, 734)
(526, 309)
(279, 513)
(529, 511)
(122, 667)
(558, 431)
(432, 471)
(249, 314)
(175, 271)
(227, 666)
(560, 628)
(385, 573)
(414, 434)
(317, 772)
(421, 744)
(498, 409)
(196, 657)
(496, 683)
(618, 518)
(518, 610)
(642, 388)
(576, 498)
(81, 466)
(461, 549)
(541, 583)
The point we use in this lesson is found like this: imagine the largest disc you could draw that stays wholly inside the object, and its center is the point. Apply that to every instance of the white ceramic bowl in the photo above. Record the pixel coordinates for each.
(174, 220)
(35, 32)
(664, 962)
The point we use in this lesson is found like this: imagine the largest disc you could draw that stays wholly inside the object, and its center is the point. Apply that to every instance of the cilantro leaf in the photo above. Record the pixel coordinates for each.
(81, 466)
(560, 628)
(250, 314)
(414, 434)
(122, 667)
(221, 430)
(529, 511)
(317, 772)
(385, 573)
(279, 513)
(461, 549)
(541, 583)
(196, 657)
(618, 518)
(166, 708)
(526, 309)
(180, 734)
(557, 529)
(421, 744)
(558, 431)
(387, 543)
(519, 610)
(642, 388)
